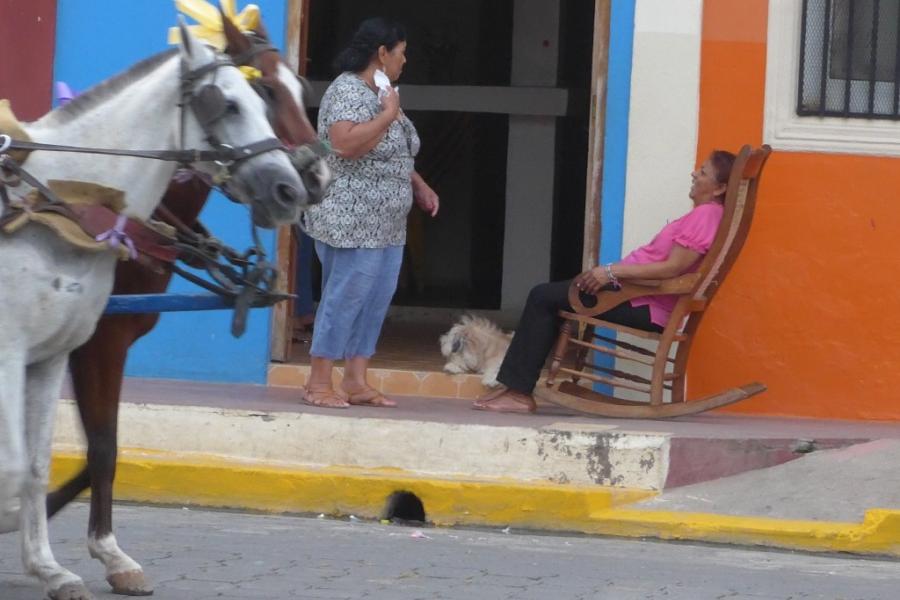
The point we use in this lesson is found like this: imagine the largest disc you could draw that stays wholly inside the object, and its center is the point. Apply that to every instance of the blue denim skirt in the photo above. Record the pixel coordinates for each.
(357, 287)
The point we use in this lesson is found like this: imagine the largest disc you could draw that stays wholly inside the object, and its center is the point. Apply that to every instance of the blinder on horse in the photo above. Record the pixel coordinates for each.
(303, 156)
(209, 104)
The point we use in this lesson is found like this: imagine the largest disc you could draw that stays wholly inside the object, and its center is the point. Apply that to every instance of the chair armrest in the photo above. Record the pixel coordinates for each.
(633, 288)
(654, 283)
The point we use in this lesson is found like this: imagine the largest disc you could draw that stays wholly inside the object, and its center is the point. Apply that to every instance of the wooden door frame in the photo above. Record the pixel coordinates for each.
(285, 245)
(596, 134)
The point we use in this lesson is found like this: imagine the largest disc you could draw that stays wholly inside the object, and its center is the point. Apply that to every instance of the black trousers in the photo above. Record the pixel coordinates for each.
(539, 327)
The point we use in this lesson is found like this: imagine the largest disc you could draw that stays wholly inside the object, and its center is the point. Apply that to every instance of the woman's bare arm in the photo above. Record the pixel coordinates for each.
(679, 260)
(353, 140)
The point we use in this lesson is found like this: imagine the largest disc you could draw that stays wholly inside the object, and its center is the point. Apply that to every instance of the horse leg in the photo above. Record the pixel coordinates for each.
(57, 499)
(42, 384)
(12, 440)
(97, 369)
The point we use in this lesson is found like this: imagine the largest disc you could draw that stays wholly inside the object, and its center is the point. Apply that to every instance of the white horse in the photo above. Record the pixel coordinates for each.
(52, 294)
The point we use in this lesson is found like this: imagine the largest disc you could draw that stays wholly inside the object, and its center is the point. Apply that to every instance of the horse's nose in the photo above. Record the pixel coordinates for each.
(315, 185)
(288, 195)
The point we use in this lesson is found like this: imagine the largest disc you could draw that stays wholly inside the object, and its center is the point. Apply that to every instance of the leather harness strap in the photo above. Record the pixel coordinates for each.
(95, 219)
(223, 153)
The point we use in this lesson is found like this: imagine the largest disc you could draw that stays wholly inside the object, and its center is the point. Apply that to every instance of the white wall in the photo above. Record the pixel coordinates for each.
(664, 116)
(662, 127)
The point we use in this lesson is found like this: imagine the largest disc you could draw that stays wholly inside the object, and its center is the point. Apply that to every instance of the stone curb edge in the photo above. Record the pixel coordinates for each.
(217, 482)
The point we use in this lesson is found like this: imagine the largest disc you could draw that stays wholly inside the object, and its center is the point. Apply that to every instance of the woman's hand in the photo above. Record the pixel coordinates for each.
(592, 281)
(425, 197)
(352, 140)
(390, 102)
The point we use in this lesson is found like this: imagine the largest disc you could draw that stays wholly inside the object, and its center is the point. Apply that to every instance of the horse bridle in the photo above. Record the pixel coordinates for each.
(249, 284)
(208, 104)
(303, 156)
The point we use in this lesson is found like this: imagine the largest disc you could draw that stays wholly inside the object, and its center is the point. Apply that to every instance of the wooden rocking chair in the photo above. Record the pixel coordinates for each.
(695, 291)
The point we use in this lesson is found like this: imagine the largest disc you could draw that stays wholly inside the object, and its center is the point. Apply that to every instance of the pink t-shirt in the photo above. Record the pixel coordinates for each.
(695, 231)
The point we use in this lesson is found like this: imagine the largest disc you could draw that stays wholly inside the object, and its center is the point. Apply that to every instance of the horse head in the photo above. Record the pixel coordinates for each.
(286, 95)
(225, 113)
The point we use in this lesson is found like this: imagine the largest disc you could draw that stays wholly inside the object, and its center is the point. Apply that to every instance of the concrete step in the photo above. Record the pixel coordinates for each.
(558, 452)
(443, 438)
(257, 447)
(403, 382)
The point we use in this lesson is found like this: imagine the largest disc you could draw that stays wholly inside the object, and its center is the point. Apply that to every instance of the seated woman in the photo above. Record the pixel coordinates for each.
(677, 249)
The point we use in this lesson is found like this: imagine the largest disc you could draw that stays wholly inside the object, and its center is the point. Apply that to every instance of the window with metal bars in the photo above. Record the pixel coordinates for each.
(850, 59)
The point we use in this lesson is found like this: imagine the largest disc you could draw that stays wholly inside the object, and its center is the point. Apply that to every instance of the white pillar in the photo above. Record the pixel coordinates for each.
(663, 117)
(531, 155)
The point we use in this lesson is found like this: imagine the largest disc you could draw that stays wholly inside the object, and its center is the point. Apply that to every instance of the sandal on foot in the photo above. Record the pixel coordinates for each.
(369, 396)
(494, 393)
(322, 396)
(504, 402)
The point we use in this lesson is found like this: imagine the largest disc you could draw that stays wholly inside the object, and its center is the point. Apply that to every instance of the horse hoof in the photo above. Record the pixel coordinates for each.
(71, 591)
(130, 583)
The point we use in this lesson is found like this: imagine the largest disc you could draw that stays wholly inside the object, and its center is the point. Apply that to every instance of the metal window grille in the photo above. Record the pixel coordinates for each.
(850, 59)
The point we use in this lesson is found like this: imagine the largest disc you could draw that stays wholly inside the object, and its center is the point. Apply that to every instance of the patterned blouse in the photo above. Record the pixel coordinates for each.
(369, 198)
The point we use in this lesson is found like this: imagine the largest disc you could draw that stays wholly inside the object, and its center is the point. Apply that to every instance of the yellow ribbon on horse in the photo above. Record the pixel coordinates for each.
(209, 27)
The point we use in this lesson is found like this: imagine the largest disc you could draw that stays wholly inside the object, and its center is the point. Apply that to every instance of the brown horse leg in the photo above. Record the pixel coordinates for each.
(97, 369)
(68, 492)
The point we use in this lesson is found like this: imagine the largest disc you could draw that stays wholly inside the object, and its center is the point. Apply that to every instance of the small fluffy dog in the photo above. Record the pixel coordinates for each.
(475, 345)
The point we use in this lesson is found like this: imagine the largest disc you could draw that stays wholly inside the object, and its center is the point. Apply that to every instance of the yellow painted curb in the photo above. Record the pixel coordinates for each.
(879, 533)
(211, 481)
(165, 478)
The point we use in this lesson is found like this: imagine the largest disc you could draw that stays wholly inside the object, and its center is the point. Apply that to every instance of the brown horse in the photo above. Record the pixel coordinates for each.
(97, 367)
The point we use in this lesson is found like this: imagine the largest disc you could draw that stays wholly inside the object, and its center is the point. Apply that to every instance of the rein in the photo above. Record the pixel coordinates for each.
(224, 153)
(208, 105)
(246, 278)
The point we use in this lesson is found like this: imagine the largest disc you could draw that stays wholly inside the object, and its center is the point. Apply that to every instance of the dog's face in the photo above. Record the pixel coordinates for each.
(471, 344)
(458, 349)
(453, 341)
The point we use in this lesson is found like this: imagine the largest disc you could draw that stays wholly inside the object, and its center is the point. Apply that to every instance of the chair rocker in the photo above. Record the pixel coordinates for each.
(695, 291)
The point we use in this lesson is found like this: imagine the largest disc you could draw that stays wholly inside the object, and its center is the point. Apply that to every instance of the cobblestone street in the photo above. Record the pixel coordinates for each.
(201, 555)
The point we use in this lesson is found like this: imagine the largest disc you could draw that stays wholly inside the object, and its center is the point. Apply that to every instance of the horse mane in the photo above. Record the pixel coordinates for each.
(107, 88)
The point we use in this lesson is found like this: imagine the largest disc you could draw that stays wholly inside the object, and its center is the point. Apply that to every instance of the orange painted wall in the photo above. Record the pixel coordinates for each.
(812, 307)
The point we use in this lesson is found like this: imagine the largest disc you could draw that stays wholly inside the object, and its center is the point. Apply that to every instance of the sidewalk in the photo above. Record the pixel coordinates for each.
(790, 483)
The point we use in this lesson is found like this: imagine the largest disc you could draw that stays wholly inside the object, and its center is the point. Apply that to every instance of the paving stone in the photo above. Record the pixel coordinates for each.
(197, 555)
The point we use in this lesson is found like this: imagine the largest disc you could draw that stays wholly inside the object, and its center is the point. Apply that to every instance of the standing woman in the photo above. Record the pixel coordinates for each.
(360, 227)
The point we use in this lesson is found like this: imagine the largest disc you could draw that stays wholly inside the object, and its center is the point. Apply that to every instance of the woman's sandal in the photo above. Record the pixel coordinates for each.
(322, 396)
(369, 396)
(502, 400)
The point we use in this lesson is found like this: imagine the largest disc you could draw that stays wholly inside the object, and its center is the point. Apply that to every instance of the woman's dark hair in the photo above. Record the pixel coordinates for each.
(722, 161)
(371, 35)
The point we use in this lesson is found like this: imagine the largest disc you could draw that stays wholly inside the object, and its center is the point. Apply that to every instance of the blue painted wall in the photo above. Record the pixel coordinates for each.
(615, 146)
(198, 345)
(98, 39)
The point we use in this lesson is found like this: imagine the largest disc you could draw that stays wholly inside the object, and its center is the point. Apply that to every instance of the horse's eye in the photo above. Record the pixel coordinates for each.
(232, 107)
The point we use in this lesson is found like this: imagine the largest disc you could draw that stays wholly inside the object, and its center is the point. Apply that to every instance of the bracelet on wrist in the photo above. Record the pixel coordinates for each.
(610, 276)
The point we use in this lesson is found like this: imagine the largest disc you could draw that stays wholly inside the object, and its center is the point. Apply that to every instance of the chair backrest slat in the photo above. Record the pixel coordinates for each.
(730, 229)
(740, 203)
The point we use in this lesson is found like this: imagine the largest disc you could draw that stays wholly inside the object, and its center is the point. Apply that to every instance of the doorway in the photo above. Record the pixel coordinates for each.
(499, 93)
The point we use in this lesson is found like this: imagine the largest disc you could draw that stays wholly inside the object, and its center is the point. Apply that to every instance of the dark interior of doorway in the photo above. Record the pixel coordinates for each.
(456, 261)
